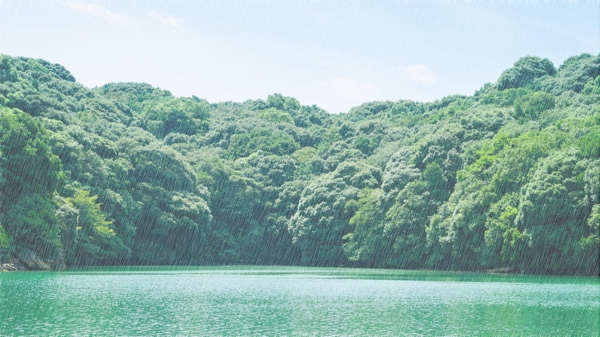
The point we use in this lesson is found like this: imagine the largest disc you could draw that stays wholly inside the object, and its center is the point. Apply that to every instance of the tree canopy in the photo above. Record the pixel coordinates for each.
(508, 178)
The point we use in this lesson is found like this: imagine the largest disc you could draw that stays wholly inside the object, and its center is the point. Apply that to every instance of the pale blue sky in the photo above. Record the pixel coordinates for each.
(336, 54)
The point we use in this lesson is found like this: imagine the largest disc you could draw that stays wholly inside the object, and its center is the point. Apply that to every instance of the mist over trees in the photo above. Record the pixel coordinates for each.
(126, 173)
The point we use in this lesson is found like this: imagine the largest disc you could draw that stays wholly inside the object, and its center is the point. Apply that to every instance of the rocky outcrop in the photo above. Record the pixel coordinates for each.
(29, 260)
(59, 263)
(8, 267)
(32, 261)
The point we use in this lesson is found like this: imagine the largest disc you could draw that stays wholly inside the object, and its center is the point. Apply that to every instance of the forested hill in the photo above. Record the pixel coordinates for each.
(508, 178)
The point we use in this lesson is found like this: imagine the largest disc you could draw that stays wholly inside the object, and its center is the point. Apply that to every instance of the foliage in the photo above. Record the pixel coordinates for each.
(503, 98)
(530, 107)
(242, 145)
(96, 239)
(27, 163)
(185, 116)
(5, 241)
(276, 116)
(524, 72)
(31, 223)
(126, 173)
(590, 144)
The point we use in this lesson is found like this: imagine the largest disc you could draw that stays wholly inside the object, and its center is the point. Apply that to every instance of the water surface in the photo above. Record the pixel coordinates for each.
(295, 301)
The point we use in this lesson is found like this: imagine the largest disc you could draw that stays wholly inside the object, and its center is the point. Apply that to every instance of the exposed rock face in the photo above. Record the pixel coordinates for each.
(28, 260)
(59, 263)
(32, 261)
(8, 267)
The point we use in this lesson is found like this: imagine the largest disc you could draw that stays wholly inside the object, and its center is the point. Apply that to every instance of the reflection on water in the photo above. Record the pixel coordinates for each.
(288, 301)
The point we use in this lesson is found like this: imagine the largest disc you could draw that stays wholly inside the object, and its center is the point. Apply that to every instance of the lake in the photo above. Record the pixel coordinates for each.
(295, 301)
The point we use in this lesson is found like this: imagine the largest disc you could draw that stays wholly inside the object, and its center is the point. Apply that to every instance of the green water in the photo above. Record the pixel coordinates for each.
(295, 301)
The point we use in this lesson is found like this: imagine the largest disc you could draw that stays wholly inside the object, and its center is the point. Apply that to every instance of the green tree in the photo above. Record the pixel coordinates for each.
(530, 107)
(280, 102)
(365, 243)
(7, 71)
(590, 144)
(242, 145)
(29, 174)
(553, 217)
(181, 115)
(407, 219)
(276, 116)
(524, 72)
(97, 241)
(366, 144)
(5, 243)
(31, 223)
(27, 163)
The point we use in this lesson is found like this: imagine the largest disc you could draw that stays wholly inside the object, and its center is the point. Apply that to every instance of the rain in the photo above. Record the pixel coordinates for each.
(299, 168)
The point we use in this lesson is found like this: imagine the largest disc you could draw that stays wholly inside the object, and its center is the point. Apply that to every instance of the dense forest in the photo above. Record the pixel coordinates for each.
(128, 174)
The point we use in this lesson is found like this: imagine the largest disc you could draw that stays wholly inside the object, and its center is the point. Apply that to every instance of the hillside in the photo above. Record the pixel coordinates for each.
(128, 174)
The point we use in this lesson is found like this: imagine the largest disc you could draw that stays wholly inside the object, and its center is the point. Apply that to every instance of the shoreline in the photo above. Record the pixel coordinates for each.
(505, 271)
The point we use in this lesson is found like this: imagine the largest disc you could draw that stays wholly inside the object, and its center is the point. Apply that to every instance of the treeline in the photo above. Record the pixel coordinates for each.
(129, 174)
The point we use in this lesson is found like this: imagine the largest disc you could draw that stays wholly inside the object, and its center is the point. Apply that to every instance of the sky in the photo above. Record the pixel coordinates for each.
(335, 54)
